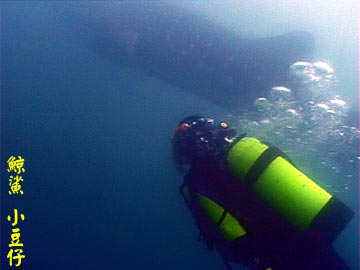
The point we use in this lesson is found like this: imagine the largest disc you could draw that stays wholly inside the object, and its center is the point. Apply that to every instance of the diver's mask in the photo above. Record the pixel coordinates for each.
(199, 139)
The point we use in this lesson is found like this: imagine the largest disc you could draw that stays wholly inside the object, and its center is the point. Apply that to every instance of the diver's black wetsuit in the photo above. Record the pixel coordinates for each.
(270, 241)
(263, 239)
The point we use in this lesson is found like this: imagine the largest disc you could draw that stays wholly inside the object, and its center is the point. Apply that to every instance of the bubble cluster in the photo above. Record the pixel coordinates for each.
(310, 123)
(317, 71)
(317, 79)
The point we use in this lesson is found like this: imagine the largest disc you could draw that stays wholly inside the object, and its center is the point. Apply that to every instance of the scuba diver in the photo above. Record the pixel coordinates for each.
(251, 204)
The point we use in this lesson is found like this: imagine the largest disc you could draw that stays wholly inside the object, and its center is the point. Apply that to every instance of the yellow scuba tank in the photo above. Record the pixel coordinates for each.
(287, 190)
(227, 224)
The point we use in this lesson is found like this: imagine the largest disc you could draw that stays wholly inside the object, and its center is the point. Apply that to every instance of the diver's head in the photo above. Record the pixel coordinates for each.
(198, 139)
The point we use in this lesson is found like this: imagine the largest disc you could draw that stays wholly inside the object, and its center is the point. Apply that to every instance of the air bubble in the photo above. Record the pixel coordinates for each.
(298, 69)
(280, 94)
(292, 113)
(321, 107)
(265, 121)
(322, 68)
(339, 106)
(262, 104)
(338, 102)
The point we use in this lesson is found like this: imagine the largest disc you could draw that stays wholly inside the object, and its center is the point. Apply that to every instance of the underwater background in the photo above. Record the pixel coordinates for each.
(100, 187)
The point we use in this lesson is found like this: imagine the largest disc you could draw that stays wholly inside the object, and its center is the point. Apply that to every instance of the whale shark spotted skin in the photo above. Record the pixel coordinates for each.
(189, 51)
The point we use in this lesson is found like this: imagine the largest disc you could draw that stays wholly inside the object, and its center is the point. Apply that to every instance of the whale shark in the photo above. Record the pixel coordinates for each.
(188, 50)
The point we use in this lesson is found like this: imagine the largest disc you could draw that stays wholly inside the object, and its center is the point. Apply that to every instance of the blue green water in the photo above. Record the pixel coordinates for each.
(100, 188)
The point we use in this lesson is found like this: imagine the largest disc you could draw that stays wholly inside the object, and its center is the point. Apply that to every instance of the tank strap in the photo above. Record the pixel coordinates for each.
(221, 219)
(332, 219)
(263, 161)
